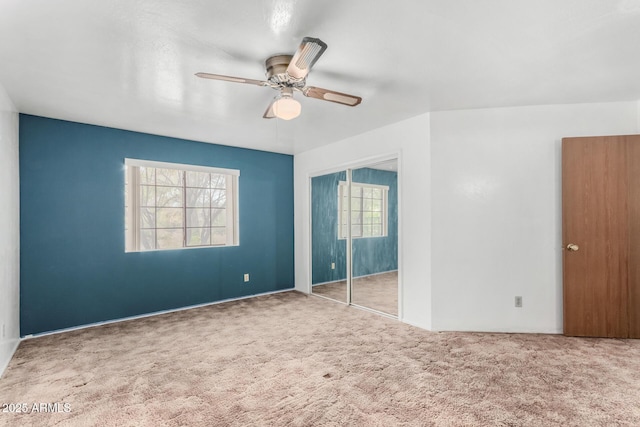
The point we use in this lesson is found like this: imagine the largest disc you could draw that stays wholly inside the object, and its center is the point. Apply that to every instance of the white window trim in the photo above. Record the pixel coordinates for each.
(385, 211)
(132, 243)
(182, 166)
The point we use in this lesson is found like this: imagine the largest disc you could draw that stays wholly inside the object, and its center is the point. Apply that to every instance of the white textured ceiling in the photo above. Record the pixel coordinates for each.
(129, 63)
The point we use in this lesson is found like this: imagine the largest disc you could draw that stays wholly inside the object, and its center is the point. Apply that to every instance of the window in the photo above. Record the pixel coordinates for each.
(368, 210)
(172, 206)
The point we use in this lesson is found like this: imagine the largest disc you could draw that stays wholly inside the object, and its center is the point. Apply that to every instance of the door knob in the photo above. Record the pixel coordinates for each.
(572, 247)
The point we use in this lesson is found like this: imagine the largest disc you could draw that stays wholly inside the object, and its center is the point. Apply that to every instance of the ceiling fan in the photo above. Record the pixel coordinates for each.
(286, 74)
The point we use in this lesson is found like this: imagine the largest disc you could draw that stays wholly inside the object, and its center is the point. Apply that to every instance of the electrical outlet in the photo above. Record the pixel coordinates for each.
(519, 302)
(246, 277)
(333, 265)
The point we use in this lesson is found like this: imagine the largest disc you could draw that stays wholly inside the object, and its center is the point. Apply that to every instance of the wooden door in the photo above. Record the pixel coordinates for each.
(601, 218)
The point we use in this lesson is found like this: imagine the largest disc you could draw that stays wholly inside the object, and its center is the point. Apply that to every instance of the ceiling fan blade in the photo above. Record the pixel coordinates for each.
(270, 114)
(308, 53)
(232, 79)
(330, 95)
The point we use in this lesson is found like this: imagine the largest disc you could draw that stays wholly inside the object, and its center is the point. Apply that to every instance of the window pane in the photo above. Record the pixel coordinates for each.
(366, 205)
(170, 239)
(169, 218)
(376, 205)
(198, 217)
(147, 195)
(366, 192)
(198, 197)
(218, 198)
(168, 177)
(198, 179)
(198, 236)
(376, 218)
(356, 230)
(366, 218)
(356, 217)
(147, 175)
(366, 231)
(356, 191)
(218, 217)
(356, 204)
(219, 236)
(169, 196)
(147, 217)
(147, 240)
(218, 181)
(376, 193)
(376, 230)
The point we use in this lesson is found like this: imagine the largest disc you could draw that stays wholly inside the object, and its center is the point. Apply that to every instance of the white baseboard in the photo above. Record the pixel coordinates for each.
(545, 331)
(355, 277)
(5, 363)
(375, 274)
(155, 313)
(415, 324)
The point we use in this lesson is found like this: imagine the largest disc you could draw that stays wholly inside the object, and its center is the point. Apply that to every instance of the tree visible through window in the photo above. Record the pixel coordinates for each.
(172, 206)
(368, 210)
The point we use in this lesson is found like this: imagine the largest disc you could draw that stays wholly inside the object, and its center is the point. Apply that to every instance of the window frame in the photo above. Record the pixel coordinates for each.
(342, 228)
(132, 203)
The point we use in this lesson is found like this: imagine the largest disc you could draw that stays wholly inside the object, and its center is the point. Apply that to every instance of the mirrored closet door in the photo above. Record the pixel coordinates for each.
(328, 251)
(354, 235)
(374, 237)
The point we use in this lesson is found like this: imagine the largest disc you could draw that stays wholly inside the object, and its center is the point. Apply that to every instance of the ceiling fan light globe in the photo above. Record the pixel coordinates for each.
(286, 108)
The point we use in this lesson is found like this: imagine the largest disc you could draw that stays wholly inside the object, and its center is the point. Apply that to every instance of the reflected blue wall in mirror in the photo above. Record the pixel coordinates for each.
(370, 255)
(378, 254)
(326, 248)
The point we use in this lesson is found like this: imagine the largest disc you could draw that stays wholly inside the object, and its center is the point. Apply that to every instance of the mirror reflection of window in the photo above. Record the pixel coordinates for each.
(368, 210)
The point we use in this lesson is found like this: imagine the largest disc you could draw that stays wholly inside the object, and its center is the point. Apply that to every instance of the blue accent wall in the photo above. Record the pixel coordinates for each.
(74, 270)
(370, 255)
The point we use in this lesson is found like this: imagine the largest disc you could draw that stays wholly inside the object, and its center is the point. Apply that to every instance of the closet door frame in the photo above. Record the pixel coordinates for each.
(348, 167)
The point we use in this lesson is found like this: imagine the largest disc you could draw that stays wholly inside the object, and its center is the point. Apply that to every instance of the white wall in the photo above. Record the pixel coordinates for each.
(480, 218)
(9, 231)
(496, 218)
(409, 139)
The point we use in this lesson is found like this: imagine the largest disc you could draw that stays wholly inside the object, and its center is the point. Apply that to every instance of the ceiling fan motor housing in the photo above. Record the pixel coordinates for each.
(277, 72)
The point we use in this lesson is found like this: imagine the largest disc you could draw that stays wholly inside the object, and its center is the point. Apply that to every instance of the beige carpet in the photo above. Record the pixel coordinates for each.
(379, 292)
(296, 360)
(333, 290)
